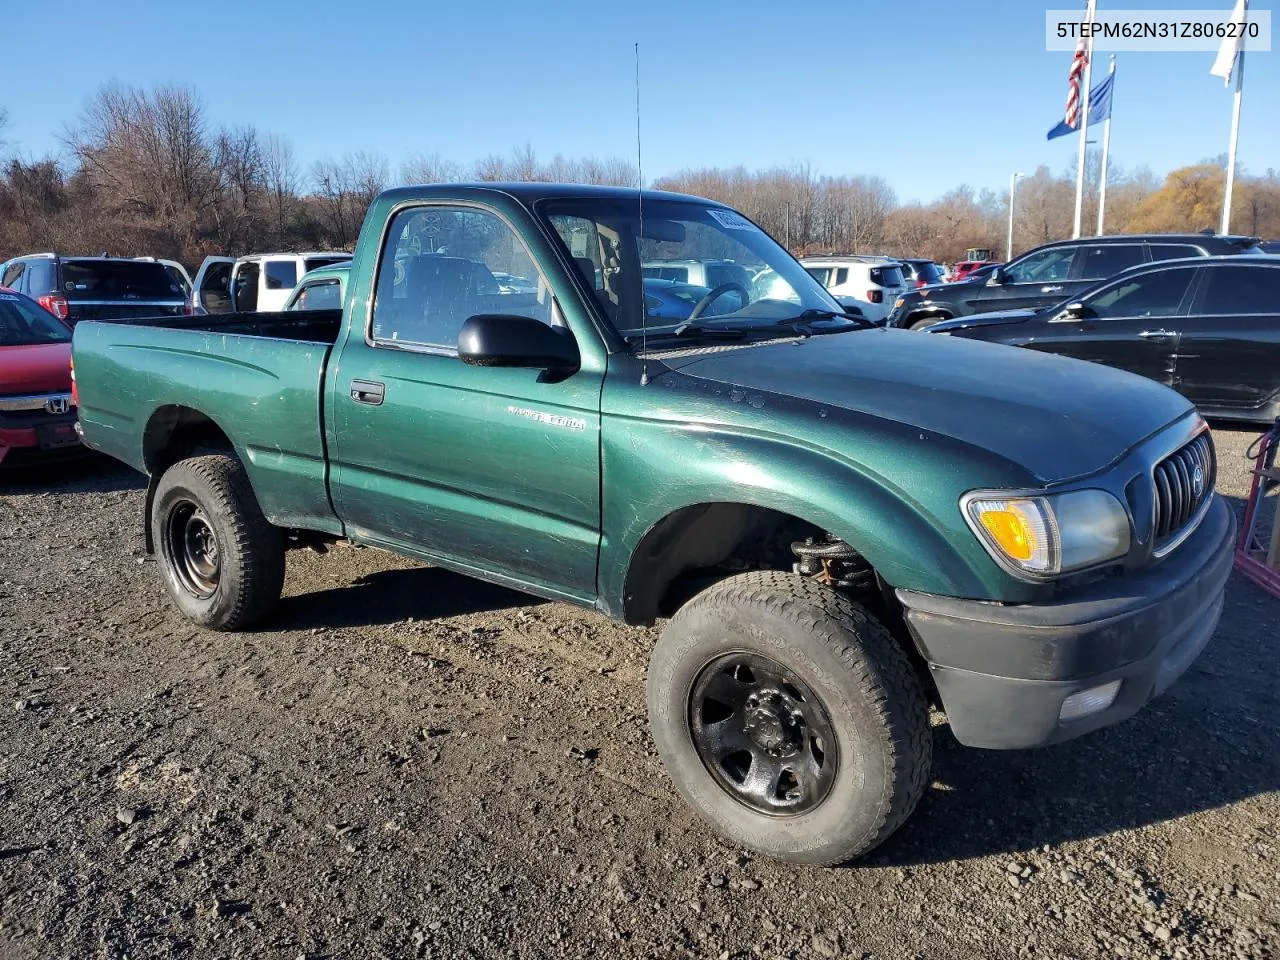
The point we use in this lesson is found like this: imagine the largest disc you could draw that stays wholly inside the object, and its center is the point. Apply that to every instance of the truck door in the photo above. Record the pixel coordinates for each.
(211, 289)
(484, 468)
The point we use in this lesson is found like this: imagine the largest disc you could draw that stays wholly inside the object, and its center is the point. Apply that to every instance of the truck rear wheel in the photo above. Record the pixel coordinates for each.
(789, 719)
(223, 563)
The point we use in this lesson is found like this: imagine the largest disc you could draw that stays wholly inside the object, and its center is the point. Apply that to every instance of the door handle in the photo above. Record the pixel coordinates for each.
(1051, 289)
(1152, 334)
(368, 391)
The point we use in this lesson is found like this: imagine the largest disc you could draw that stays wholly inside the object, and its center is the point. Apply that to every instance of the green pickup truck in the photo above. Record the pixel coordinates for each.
(844, 524)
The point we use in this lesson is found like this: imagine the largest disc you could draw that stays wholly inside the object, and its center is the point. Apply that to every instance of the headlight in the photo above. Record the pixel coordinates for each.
(1045, 536)
(897, 304)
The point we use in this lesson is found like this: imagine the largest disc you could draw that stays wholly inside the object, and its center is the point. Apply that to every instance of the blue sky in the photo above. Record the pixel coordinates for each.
(926, 93)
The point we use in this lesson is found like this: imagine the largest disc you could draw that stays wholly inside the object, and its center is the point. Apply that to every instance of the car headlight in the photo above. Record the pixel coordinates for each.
(897, 304)
(1047, 535)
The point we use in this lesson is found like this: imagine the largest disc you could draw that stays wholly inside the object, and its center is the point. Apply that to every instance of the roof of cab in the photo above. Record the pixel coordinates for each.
(531, 193)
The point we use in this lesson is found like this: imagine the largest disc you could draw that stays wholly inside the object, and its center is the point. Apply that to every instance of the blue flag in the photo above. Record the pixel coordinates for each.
(1099, 108)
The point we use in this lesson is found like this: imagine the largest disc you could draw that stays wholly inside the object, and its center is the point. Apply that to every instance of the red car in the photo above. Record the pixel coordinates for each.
(966, 268)
(37, 410)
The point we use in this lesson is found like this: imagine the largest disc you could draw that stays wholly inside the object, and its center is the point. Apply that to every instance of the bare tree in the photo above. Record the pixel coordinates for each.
(281, 180)
(429, 168)
(344, 189)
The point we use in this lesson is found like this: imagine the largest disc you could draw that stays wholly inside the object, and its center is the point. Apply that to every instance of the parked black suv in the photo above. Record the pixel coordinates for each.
(1055, 272)
(89, 288)
(1208, 328)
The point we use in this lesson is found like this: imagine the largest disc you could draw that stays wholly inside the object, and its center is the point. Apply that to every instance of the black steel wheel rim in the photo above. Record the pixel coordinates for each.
(763, 734)
(191, 549)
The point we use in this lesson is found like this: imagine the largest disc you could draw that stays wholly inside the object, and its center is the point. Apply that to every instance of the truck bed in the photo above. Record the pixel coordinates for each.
(310, 326)
(258, 376)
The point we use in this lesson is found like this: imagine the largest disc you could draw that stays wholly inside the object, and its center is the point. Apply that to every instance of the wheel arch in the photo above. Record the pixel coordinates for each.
(173, 433)
(675, 554)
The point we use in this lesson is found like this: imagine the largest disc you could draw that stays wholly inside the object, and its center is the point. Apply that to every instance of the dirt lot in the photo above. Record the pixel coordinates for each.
(405, 763)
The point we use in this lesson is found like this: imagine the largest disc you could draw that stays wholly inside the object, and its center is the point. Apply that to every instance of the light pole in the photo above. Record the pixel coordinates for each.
(1013, 187)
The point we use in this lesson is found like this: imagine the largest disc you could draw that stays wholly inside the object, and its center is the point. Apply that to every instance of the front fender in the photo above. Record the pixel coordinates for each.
(910, 537)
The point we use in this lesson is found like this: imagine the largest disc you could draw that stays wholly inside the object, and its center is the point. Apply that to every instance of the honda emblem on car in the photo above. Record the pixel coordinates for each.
(56, 405)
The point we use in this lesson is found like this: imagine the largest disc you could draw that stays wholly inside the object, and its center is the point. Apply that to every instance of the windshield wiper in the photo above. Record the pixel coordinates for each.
(690, 331)
(814, 313)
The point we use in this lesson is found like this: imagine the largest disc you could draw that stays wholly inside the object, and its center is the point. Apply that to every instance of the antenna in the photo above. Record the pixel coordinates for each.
(644, 320)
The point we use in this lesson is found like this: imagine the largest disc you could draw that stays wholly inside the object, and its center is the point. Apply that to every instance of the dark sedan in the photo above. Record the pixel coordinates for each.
(1208, 327)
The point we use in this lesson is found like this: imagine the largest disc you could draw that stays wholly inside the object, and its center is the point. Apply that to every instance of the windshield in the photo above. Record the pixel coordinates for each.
(742, 278)
(22, 323)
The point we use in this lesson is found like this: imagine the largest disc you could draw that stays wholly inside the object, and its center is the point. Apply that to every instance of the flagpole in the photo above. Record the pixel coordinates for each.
(1106, 150)
(1084, 125)
(1235, 140)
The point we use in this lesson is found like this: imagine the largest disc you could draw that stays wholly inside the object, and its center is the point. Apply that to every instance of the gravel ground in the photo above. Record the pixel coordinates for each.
(406, 763)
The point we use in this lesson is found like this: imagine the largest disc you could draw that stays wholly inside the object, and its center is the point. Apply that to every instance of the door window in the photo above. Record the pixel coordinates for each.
(246, 284)
(1156, 294)
(281, 274)
(1107, 259)
(437, 270)
(842, 276)
(1174, 251)
(1241, 290)
(1043, 266)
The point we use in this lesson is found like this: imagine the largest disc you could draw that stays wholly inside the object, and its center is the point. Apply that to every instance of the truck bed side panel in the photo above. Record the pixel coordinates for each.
(263, 393)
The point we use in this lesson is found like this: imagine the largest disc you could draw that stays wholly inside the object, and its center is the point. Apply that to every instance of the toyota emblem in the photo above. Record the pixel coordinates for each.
(56, 405)
(1197, 481)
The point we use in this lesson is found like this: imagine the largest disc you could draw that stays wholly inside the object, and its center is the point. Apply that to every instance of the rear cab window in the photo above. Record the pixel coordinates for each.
(118, 280)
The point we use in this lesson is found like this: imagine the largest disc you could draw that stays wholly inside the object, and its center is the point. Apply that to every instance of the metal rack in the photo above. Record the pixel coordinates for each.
(1258, 550)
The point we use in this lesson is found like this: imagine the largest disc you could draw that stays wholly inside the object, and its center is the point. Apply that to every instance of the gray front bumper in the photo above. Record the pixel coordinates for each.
(1003, 672)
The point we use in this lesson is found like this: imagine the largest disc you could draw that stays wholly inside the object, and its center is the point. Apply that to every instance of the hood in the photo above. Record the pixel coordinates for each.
(982, 320)
(1055, 417)
(35, 368)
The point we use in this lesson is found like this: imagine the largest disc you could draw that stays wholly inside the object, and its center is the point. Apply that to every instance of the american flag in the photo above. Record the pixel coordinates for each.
(1078, 63)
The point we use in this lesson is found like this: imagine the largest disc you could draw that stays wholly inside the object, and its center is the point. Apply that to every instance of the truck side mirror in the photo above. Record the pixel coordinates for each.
(502, 340)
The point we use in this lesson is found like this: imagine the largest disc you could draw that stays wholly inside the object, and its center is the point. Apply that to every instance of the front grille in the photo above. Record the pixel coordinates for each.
(1184, 482)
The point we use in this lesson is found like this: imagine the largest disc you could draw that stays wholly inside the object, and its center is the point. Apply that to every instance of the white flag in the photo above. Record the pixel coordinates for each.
(1226, 62)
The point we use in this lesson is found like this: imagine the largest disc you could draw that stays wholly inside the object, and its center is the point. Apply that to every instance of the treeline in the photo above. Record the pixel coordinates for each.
(147, 172)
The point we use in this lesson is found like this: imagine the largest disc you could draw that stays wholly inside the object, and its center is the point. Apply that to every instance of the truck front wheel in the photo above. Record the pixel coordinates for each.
(789, 719)
(223, 562)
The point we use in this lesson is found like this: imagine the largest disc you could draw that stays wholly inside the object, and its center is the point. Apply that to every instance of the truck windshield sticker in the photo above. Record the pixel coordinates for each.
(550, 419)
(731, 220)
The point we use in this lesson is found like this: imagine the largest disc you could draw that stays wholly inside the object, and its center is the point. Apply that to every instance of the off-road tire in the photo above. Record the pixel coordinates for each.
(863, 678)
(250, 549)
